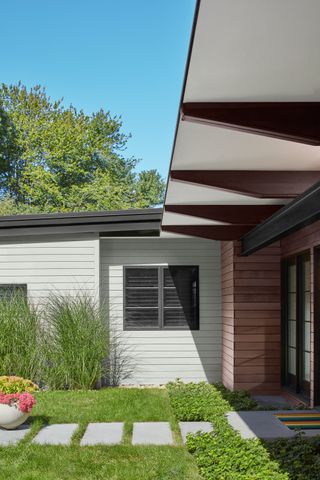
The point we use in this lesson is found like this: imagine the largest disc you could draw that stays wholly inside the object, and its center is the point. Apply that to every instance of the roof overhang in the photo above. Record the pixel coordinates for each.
(144, 222)
(248, 130)
(299, 213)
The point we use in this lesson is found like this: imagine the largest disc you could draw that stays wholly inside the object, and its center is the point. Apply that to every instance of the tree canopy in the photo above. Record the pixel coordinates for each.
(54, 158)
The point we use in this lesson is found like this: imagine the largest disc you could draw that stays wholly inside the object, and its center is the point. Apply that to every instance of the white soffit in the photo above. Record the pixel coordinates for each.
(205, 147)
(181, 193)
(178, 219)
(255, 50)
(245, 50)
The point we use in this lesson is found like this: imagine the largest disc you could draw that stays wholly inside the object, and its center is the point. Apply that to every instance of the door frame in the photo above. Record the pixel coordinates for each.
(316, 324)
(298, 386)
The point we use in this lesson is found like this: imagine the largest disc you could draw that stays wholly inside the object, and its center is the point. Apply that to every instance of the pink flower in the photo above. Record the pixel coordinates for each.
(25, 401)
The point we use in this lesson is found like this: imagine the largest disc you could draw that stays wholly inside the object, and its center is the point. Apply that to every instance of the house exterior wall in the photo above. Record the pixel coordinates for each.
(306, 239)
(59, 263)
(251, 316)
(164, 355)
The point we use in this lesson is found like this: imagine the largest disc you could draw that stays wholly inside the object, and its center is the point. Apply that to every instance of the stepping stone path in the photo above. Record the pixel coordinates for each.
(11, 437)
(102, 434)
(59, 434)
(111, 433)
(194, 427)
(152, 433)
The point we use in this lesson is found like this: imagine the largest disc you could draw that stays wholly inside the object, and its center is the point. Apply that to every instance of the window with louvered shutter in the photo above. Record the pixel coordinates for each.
(161, 297)
(141, 297)
(8, 290)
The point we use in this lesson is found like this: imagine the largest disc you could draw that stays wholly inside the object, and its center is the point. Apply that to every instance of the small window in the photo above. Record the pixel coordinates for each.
(161, 297)
(8, 290)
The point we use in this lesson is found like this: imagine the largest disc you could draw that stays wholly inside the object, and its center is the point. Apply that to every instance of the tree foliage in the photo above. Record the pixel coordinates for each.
(54, 158)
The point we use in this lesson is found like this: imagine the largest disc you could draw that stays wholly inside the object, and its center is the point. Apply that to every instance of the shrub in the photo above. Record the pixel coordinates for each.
(17, 385)
(19, 348)
(300, 457)
(223, 454)
(75, 342)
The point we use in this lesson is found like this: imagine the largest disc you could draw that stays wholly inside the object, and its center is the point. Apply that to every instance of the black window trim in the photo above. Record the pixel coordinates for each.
(161, 326)
(20, 286)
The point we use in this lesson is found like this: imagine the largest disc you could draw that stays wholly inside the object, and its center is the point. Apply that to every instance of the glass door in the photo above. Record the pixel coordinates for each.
(296, 329)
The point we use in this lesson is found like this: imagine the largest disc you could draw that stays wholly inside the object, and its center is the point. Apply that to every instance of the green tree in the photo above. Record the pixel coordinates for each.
(61, 159)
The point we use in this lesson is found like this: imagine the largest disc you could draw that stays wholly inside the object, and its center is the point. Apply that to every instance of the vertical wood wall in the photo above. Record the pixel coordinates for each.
(251, 317)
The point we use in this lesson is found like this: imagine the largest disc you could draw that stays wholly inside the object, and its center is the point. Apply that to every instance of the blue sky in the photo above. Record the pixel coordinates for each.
(126, 56)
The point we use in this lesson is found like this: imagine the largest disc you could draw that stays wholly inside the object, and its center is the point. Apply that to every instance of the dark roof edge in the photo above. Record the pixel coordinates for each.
(81, 215)
(143, 221)
(300, 212)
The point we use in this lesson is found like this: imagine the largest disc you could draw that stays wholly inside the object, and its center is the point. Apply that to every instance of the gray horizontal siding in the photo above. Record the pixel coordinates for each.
(60, 263)
(163, 355)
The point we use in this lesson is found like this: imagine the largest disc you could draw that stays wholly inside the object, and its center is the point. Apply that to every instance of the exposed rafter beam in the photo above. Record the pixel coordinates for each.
(254, 183)
(211, 232)
(294, 121)
(234, 214)
(297, 214)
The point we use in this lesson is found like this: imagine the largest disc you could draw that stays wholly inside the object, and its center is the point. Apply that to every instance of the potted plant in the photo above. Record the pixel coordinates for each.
(16, 401)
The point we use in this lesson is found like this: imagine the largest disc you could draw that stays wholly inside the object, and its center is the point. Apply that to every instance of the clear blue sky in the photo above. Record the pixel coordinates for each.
(126, 56)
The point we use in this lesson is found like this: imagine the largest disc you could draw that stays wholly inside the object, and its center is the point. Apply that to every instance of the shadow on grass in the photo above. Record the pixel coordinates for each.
(299, 457)
(39, 420)
(238, 399)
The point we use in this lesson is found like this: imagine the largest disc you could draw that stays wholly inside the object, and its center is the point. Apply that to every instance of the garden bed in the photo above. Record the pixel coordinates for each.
(224, 455)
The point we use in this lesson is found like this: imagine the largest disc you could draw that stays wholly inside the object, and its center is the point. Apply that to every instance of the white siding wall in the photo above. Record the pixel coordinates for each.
(62, 263)
(164, 355)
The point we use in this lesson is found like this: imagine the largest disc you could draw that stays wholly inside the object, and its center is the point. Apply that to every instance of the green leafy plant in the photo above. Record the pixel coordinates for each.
(75, 342)
(223, 454)
(300, 456)
(19, 346)
(12, 384)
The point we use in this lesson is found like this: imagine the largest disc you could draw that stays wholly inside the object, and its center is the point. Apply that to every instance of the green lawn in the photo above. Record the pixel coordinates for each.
(122, 462)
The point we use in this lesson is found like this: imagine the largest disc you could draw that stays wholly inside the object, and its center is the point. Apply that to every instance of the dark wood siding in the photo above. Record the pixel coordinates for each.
(227, 304)
(251, 316)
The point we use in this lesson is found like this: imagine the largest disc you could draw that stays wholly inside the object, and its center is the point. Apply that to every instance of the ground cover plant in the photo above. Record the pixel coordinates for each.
(222, 455)
(122, 462)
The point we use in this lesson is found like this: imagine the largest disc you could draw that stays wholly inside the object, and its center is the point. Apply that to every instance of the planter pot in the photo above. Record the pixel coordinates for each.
(11, 417)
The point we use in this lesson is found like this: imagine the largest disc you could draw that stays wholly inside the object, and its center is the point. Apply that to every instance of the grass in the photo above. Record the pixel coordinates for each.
(122, 462)
(95, 463)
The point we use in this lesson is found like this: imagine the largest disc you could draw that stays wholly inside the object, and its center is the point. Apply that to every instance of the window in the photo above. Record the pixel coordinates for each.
(7, 290)
(161, 297)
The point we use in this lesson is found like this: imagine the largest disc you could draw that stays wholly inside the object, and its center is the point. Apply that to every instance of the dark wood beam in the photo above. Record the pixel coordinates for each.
(211, 232)
(302, 211)
(294, 121)
(254, 183)
(234, 214)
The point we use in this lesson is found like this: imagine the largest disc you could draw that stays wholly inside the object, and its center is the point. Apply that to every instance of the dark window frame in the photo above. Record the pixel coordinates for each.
(16, 286)
(161, 326)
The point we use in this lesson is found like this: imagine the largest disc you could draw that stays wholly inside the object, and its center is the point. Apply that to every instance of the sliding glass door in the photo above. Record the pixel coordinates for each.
(296, 331)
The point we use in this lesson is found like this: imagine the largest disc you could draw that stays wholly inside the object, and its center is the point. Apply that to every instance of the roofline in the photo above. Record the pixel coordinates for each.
(185, 77)
(121, 222)
(300, 212)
